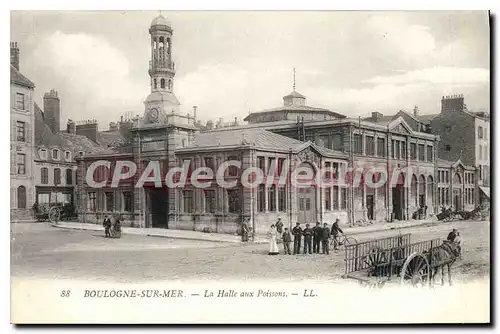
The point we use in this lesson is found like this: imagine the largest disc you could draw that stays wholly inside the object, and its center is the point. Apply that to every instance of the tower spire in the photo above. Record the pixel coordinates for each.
(294, 79)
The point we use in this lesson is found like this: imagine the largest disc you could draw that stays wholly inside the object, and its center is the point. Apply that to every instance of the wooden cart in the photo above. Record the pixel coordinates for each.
(374, 263)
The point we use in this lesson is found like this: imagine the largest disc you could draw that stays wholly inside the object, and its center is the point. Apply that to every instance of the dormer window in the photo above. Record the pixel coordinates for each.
(67, 156)
(55, 154)
(81, 153)
(43, 154)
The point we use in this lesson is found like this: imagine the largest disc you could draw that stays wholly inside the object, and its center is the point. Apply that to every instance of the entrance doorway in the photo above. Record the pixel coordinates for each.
(457, 203)
(370, 203)
(159, 207)
(398, 198)
(306, 203)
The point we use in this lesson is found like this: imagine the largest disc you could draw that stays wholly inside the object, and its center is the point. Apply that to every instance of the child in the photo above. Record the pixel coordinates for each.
(287, 241)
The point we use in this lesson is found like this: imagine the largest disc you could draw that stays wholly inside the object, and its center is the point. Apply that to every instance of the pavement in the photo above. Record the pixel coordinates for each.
(219, 237)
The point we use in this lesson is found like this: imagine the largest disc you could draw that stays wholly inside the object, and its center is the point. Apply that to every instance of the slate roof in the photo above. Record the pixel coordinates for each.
(380, 120)
(17, 78)
(426, 119)
(295, 94)
(257, 138)
(296, 108)
(110, 138)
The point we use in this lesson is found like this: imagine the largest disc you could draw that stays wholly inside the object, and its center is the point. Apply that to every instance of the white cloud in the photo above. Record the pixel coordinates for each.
(93, 71)
(437, 75)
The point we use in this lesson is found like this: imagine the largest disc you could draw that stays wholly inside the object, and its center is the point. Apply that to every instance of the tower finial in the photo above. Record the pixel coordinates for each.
(294, 79)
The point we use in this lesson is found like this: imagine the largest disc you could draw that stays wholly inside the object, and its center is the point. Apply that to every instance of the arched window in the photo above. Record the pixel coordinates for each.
(57, 176)
(430, 189)
(69, 176)
(162, 83)
(168, 45)
(44, 175)
(21, 197)
(169, 84)
(414, 188)
(155, 84)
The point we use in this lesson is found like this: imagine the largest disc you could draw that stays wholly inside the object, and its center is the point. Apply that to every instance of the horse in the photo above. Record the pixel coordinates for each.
(443, 255)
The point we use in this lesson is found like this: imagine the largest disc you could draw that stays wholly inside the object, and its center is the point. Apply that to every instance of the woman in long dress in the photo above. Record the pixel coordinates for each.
(273, 244)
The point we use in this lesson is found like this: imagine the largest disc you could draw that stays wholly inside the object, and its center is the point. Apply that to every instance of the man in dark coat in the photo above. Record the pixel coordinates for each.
(107, 226)
(279, 226)
(287, 241)
(452, 235)
(297, 235)
(317, 236)
(325, 240)
(335, 232)
(308, 233)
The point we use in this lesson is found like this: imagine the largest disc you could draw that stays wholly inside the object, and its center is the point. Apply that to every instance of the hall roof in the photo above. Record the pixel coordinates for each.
(256, 138)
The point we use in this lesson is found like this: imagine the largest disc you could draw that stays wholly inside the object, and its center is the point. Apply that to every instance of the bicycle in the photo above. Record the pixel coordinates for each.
(343, 240)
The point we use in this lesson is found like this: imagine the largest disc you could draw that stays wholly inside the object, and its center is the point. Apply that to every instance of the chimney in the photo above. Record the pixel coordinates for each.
(415, 111)
(14, 55)
(71, 127)
(113, 126)
(194, 113)
(88, 129)
(52, 110)
(376, 116)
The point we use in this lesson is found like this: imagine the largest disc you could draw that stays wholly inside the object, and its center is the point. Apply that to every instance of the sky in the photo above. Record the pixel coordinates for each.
(232, 63)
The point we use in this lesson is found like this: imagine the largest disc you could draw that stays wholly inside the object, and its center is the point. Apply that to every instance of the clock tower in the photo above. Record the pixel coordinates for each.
(161, 106)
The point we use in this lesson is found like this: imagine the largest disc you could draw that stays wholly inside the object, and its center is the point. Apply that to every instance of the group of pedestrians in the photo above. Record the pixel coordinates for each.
(112, 230)
(312, 237)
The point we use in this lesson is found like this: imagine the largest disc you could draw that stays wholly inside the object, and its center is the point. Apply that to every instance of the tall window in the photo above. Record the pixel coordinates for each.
(210, 201)
(92, 201)
(69, 176)
(480, 132)
(20, 101)
(328, 198)
(44, 175)
(67, 155)
(127, 201)
(404, 153)
(430, 155)
(57, 176)
(480, 151)
(162, 83)
(421, 152)
(357, 144)
(234, 200)
(370, 145)
(381, 147)
(187, 196)
(21, 163)
(343, 198)
(397, 148)
(413, 151)
(21, 197)
(335, 198)
(209, 163)
(336, 142)
(261, 198)
(55, 154)
(232, 170)
(110, 201)
(21, 131)
(271, 195)
(261, 164)
(282, 199)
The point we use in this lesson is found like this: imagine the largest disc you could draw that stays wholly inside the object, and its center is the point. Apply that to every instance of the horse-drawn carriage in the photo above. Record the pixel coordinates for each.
(448, 214)
(376, 262)
(54, 213)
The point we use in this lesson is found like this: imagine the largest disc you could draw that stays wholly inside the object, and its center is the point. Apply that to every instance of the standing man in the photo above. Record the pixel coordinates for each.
(107, 226)
(325, 240)
(335, 232)
(287, 241)
(308, 233)
(318, 234)
(297, 235)
(279, 226)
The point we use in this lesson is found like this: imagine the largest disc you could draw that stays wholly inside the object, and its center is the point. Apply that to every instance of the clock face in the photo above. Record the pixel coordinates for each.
(153, 115)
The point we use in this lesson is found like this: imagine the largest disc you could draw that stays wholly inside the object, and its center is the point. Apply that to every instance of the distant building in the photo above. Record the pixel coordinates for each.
(22, 118)
(465, 136)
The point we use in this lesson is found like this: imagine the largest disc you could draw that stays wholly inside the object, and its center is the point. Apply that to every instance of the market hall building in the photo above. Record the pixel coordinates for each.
(295, 132)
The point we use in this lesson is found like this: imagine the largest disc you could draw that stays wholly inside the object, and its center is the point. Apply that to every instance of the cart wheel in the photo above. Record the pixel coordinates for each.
(54, 215)
(416, 271)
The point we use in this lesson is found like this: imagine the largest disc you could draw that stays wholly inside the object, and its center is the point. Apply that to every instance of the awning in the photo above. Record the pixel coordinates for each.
(485, 190)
